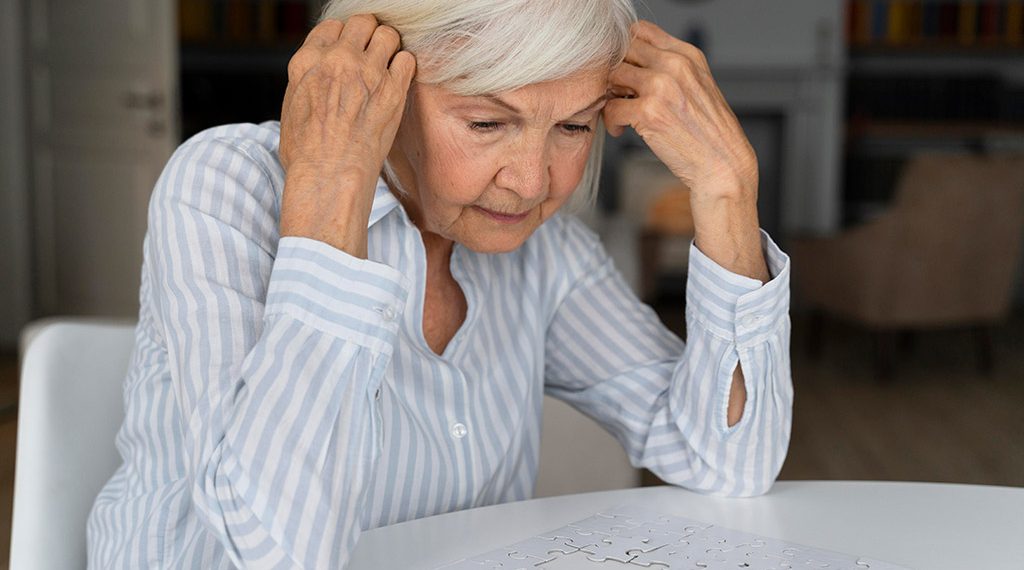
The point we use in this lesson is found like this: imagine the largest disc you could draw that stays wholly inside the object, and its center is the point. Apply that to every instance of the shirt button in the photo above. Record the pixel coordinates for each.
(459, 430)
(389, 313)
(751, 320)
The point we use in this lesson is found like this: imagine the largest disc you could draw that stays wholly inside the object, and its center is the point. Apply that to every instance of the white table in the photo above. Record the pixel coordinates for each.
(924, 526)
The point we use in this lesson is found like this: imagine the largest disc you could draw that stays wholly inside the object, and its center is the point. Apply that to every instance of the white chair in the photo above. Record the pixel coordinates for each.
(72, 406)
(69, 413)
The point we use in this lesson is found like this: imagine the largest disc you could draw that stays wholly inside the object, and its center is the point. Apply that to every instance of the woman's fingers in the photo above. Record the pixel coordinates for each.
(346, 78)
(649, 40)
(384, 43)
(324, 34)
(688, 60)
(403, 68)
(646, 82)
(657, 37)
(320, 38)
(642, 53)
(628, 83)
(358, 31)
(629, 76)
(620, 113)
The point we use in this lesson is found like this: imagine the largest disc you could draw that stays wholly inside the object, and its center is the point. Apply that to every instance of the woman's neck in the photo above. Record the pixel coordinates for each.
(438, 251)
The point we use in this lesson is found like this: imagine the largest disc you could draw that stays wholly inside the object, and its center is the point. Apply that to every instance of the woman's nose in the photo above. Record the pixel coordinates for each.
(527, 171)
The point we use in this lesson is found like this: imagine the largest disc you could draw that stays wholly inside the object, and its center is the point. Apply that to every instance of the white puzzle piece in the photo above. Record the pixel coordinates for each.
(631, 538)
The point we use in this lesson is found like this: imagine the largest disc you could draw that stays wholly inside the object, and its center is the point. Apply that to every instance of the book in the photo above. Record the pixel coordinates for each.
(988, 21)
(266, 21)
(930, 20)
(195, 20)
(915, 30)
(879, 17)
(862, 21)
(1015, 22)
(967, 30)
(947, 20)
(897, 24)
(238, 20)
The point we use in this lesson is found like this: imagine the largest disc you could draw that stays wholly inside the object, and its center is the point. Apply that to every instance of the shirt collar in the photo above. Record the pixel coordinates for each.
(383, 202)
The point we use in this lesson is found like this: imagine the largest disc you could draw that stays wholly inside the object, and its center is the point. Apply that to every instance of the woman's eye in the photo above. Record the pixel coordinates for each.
(576, 129)
(484, 126)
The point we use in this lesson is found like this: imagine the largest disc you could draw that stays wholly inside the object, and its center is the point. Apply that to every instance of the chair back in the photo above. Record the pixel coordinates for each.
(959, 239)
(69, 412)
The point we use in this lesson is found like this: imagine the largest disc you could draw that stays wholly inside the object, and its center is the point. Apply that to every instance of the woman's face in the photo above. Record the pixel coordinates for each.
(487, 171)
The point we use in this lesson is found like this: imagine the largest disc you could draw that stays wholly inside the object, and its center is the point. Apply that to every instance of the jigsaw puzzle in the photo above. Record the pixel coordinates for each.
(631, 537)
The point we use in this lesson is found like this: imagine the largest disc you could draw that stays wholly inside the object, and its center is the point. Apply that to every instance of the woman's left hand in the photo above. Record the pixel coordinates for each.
(664, 90)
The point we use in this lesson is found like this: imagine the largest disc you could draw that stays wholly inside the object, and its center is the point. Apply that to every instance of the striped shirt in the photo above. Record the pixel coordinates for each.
(281, 396)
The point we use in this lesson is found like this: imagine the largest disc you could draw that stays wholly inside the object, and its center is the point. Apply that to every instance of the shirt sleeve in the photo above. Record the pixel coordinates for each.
(666, 401)
(276, 350)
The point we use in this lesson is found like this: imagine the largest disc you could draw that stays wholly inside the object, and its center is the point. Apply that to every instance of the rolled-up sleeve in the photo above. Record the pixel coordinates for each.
(666, 401)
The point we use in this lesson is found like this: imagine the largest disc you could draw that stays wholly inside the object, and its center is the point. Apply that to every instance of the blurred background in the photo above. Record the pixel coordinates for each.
(889, 134)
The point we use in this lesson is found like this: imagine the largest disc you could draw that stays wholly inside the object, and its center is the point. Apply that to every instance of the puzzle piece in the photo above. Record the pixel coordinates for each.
(653, 538)
(677, 555)
(659, 521)
(603, 524)
(536, 551)
(633, 537)
(817, 558)
(724, 539)
(617, 548)
(572, 536)
(526, 554)
(745, 558)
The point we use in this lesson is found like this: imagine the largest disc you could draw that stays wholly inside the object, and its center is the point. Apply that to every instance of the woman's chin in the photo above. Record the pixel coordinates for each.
(502, 240)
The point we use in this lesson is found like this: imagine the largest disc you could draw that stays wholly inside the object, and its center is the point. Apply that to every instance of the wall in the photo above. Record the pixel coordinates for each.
(15, 247)
(756, 33)
(786, 60)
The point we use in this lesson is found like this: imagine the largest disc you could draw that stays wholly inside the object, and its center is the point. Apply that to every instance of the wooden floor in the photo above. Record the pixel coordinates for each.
(939, 420)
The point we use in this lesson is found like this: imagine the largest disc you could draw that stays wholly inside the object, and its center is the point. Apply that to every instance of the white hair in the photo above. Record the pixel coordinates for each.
(486, 47)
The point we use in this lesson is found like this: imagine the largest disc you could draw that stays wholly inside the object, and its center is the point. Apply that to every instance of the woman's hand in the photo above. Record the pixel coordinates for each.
(666, 93)
(346, 92)
(664, 90)
(675, 105)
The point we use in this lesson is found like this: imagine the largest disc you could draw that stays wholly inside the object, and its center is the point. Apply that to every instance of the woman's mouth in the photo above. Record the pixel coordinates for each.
(504, 218)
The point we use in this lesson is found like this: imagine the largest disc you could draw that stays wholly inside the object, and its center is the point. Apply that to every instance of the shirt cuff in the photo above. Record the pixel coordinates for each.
(735, 307)
(354, 299)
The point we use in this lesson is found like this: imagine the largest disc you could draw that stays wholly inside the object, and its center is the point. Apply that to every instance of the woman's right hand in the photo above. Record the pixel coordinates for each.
(341, 111)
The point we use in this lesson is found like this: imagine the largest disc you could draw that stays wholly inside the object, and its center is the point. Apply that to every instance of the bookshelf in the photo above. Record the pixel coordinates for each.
(927, 75)
(234, 58)
(934, 25)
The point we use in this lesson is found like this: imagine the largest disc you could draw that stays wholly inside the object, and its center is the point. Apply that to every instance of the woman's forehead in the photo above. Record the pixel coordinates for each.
(569, 96)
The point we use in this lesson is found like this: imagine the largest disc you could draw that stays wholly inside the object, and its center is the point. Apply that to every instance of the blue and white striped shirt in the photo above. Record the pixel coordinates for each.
(281, 396)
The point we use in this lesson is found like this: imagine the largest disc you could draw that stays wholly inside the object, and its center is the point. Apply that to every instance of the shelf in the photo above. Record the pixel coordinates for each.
(237, 58)
(932, 129)
(932, 49)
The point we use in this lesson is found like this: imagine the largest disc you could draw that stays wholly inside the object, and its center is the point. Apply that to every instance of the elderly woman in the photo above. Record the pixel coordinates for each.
(349, 318)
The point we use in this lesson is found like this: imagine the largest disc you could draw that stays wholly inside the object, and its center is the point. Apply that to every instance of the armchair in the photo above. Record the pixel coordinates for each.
(944, 254)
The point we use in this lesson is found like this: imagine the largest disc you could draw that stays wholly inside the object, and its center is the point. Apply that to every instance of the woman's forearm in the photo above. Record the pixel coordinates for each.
(330, 208)
(728, 232)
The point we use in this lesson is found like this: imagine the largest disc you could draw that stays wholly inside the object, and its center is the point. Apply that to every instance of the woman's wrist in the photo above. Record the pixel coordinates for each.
(342, 223)
(726, 230)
